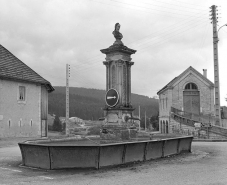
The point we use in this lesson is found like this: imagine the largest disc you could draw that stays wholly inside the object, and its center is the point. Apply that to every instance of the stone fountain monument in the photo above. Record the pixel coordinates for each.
(117, 129)
(118, 124)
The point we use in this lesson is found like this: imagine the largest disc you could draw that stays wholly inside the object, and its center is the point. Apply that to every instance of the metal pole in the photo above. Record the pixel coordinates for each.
(67, 101)
(216, 66)
(207, 132)
(145, 122)
(139, 117)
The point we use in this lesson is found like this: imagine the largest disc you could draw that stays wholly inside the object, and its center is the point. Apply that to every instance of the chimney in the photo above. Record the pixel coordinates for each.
(205, 72)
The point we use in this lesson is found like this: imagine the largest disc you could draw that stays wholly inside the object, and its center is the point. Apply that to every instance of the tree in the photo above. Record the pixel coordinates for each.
(154, 122)
(57, 124)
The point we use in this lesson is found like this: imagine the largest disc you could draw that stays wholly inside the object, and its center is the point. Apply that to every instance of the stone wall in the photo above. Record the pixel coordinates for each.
(206, 94)
(176, 127)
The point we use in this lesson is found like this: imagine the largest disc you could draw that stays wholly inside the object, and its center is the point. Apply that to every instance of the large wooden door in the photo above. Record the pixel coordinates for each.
(191, 101)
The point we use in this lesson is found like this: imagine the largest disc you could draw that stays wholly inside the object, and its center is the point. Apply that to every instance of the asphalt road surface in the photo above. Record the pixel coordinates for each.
(207, 164)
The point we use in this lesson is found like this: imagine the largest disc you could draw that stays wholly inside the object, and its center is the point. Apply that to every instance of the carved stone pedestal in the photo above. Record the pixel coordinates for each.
(118, 111)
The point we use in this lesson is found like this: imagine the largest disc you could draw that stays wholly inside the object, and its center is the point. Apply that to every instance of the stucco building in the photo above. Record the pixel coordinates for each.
(23, 98)
(190, 92)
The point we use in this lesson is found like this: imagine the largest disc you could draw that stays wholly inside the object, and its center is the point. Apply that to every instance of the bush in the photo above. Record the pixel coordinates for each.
(57, 125)
(94, 130)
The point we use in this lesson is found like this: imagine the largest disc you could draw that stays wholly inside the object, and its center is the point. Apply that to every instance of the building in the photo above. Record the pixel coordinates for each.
(189, 93)
(224, 116)
(23, 98)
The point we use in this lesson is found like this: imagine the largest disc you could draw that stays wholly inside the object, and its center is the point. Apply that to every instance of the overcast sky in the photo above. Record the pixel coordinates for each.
(169, 36)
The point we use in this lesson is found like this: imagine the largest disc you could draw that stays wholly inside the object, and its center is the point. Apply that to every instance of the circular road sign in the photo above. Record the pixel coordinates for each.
(112, 97)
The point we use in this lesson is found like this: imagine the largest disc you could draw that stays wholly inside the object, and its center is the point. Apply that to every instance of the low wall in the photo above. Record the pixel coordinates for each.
(46, 155)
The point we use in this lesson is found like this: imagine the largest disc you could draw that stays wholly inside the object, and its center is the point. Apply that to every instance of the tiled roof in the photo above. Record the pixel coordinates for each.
(14, 69)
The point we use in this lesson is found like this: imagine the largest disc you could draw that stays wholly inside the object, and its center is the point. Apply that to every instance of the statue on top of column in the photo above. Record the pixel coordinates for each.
(118, 36)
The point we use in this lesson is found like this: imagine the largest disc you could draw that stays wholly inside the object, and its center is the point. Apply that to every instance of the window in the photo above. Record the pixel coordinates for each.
(191, 86)
(20, 123)
(21, 93)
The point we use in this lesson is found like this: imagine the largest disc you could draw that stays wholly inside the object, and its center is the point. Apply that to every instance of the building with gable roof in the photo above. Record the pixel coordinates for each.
(23, 98)
(190, 92)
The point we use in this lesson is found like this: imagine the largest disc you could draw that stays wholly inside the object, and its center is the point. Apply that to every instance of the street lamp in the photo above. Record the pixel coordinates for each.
(221, 27)
(217, 53)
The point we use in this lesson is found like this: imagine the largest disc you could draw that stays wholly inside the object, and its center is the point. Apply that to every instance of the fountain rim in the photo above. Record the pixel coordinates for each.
(44, 142)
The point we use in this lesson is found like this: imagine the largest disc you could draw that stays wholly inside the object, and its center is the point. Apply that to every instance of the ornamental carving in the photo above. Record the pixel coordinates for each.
(105, 63)
(129, 85)
(130, 63)
(120, 62)
(113, 81)
(124, 86)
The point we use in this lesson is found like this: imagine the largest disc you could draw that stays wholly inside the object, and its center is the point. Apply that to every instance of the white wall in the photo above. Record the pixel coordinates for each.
(20, 114)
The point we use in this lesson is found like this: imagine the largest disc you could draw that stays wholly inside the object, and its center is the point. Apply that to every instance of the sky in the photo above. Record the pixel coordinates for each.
(169, 36)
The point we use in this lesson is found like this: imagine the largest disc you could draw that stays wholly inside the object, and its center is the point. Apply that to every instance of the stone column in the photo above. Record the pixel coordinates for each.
(117, 125)
(129, 82)
(107, 74)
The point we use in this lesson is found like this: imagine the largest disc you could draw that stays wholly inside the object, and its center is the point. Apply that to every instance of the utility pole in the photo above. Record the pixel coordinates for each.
(145, 121)
(216, 66)
(139, 118)
(67, 100)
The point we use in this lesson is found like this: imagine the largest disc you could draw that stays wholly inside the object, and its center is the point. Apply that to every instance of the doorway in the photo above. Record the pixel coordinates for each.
(191, 99)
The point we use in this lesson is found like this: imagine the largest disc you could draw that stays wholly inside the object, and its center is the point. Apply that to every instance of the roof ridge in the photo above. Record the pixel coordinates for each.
(181, 74)
(13, 68)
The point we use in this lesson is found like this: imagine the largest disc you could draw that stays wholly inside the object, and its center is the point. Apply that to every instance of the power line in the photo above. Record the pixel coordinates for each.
(162, 6)
(167, 28)
(150, 35)
(156, 44)
(147, 7)
(185, 29)
(176, 34)
(180, 5)
(188, 3)
(171, 13)
(169, 33)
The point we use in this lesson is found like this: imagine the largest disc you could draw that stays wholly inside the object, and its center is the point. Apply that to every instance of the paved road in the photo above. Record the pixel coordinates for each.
(206, 165)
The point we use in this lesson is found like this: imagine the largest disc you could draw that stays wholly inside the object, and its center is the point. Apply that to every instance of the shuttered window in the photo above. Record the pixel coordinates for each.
(21, 93)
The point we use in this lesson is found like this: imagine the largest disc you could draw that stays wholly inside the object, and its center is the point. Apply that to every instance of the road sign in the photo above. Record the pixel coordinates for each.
(112, 97)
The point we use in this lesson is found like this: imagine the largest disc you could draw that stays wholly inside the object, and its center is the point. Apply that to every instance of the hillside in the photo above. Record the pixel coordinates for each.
(88, 103)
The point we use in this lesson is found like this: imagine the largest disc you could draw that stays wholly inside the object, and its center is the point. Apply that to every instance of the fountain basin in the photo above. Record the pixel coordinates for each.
(80, 153)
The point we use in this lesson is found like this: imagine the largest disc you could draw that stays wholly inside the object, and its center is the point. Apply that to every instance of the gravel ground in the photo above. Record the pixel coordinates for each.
(206, 165)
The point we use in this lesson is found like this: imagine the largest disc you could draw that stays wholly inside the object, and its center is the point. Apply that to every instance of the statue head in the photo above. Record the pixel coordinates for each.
(118, 36)
(117, 27)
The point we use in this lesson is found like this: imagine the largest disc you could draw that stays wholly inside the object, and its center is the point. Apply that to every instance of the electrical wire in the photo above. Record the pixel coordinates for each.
(154, 44)
(188, 3)
(82, 67)
(150, 35)
(161, 6)
(180, 5)
(170, 13)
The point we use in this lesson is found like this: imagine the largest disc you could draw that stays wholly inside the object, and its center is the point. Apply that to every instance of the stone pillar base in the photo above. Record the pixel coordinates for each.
(117, 133)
